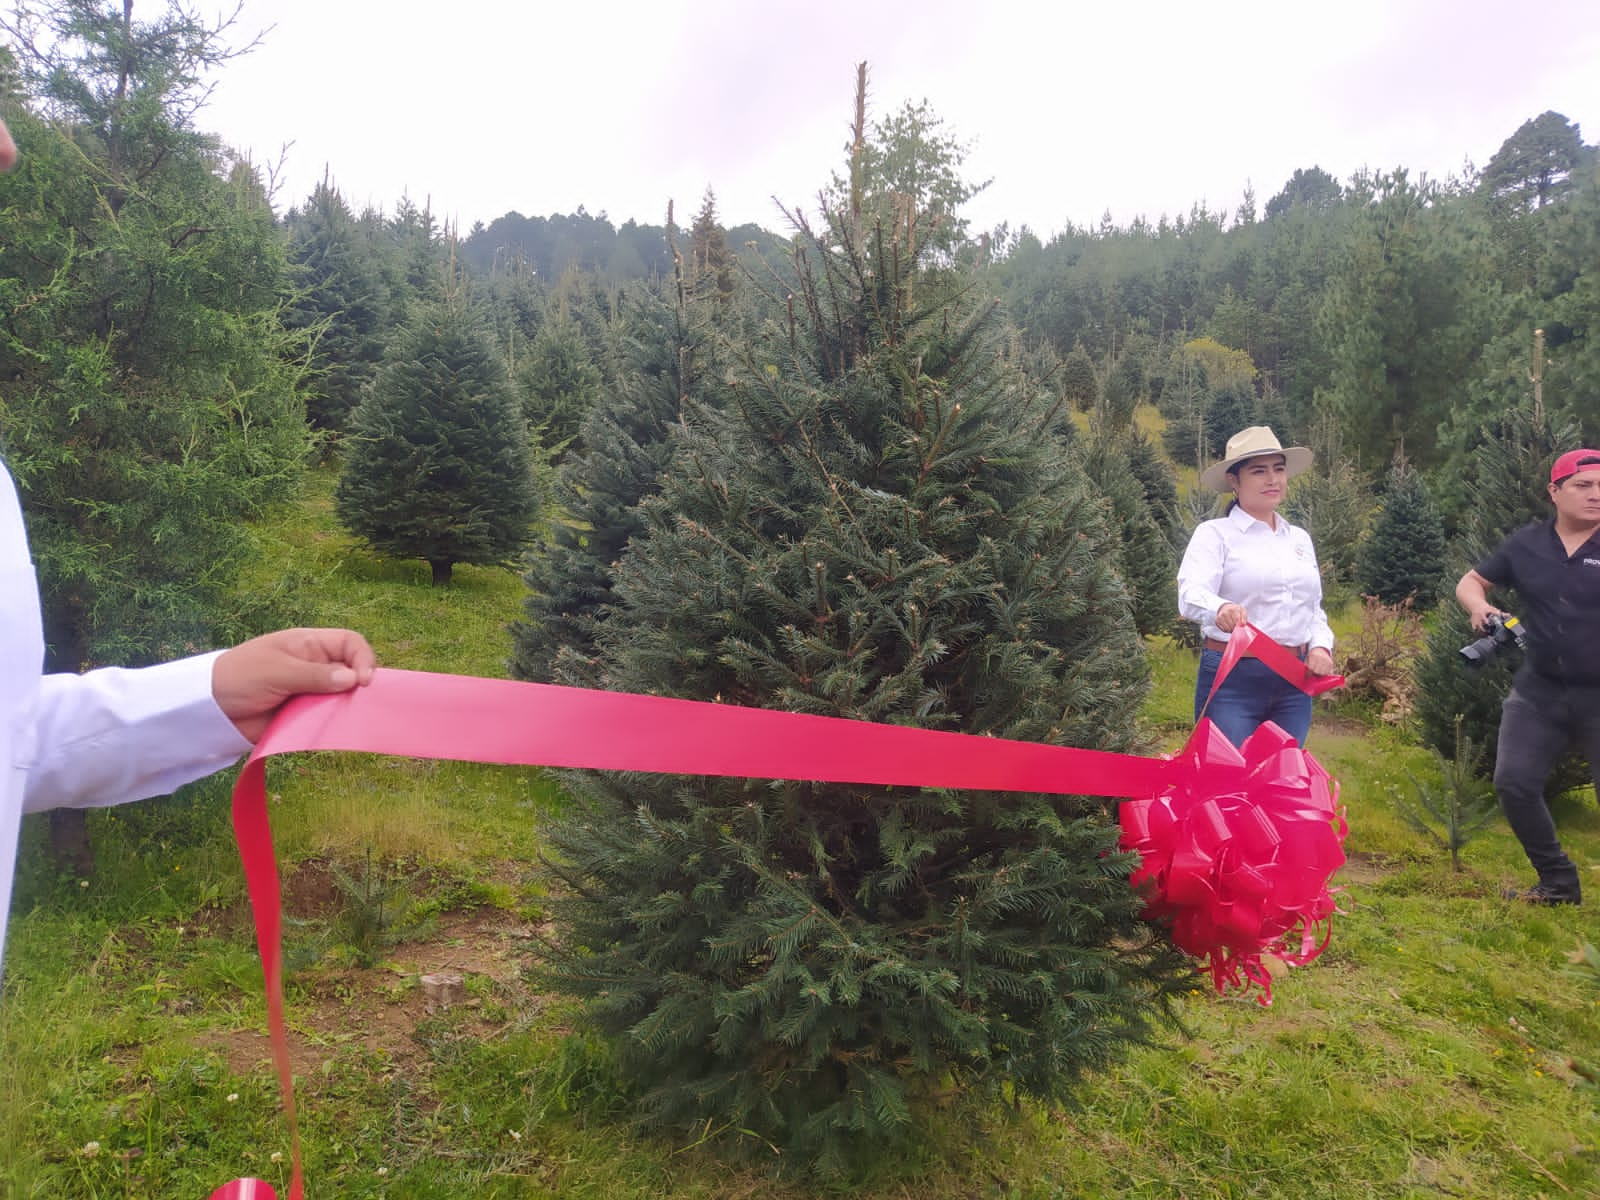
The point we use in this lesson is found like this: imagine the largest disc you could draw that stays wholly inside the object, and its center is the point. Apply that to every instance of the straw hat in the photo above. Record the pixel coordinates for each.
(1252, 443)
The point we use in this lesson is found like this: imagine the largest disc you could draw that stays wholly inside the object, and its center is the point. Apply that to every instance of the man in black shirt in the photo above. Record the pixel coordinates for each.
(1554, 565)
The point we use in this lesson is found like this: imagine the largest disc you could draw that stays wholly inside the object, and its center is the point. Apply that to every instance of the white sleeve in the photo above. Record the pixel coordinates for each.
(114, 735)
(1200, 575)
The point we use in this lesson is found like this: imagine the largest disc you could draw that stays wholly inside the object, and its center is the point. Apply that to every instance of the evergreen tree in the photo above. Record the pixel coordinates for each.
(1160, 489)
(1403, 320)
(873, 522)
(340, 297)
(1333, 502)
(711, 263)
(1079, 384)
(437, 464)
(625, 447)
(151, 401)
(1233, 407)
(1534, 165)
(1404, 555)
(1122, 393)
(1313, 188)
(1144, 552)
(1186, 403)
(557, 382)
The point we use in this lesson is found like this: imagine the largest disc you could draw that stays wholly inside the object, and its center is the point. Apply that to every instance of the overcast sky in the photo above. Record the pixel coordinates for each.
(1073, 109)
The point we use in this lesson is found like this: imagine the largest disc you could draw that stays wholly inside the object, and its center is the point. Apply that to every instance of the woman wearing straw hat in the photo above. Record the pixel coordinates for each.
(1252, 565)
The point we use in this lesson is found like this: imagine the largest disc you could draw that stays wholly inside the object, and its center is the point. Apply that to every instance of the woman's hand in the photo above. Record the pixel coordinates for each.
(1319, 662)
(1229, 616)
(251, 681)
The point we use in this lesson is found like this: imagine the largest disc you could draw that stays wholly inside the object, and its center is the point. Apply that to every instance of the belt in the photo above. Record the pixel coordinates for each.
(1299, 652)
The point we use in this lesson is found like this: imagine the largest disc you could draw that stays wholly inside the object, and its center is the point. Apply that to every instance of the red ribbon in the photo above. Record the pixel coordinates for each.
(419, 715)
(245, 1189)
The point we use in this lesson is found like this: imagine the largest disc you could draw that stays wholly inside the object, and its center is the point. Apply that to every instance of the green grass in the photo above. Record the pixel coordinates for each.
(1426, 1053)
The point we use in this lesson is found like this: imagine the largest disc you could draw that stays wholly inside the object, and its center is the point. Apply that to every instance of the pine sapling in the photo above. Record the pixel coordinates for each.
(1455, 809)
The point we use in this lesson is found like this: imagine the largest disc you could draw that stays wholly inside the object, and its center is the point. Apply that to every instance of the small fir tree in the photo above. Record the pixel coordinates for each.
(1160, 488)
(558, 383)
(872, 522)
(712, 265)
(1232, 407)
(438, 465)
(1450, 813)
(1404, 556)
(1079, 384)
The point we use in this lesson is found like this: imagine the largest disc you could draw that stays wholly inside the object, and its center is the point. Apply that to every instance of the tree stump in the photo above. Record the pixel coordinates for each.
(442, 989)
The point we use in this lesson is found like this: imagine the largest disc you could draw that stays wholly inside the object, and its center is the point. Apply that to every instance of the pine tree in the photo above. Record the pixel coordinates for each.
(873, 523)
(558, 382)
(711, 263)
(438, 463)
(1144, 552)
(340, 297)
(151, 401)
(625, 440)
(1404, 556)
(1079, 384)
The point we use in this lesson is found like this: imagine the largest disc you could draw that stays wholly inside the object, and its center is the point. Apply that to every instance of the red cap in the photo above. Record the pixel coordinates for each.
(1568, 464)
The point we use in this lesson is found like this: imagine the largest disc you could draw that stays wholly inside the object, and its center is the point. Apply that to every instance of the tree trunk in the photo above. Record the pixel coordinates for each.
(69, 842)
(69, 827)
(441, 572)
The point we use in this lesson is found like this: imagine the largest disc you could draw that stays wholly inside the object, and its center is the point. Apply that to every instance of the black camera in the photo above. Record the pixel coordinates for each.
(1500, 631)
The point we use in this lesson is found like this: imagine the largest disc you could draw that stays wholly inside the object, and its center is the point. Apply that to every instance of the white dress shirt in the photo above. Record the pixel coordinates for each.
(101, 738)
(1270, 571)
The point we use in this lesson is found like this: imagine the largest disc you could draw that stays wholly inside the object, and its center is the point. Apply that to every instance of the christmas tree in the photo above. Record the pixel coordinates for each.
(437, 461)
(625, 440)
(1144, 554)
(1404, 556)
(873, 521)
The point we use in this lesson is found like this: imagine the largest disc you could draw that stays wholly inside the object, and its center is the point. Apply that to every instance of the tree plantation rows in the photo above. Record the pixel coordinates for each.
(875, 465)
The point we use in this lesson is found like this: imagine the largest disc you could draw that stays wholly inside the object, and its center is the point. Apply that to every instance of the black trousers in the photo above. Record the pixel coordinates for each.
(1541, 719)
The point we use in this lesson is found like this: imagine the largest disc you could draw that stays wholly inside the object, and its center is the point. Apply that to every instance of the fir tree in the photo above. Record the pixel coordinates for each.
(873, 523)
(625, 440)
(1404, 556)
(438, 463)
(1232, 407)
(1144, 553)
(1160, 489)
(340, 297)
(558, 382)
(1079, 383)
(711, 263)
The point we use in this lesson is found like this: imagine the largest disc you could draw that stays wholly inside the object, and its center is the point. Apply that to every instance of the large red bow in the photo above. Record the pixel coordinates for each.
(1237, 851)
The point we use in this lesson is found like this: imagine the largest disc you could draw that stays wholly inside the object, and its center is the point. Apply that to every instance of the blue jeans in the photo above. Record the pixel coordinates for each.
(1252, 693)
(1540, 720)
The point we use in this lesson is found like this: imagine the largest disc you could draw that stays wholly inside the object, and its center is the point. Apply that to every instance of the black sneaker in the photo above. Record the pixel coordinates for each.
(1546, 893)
